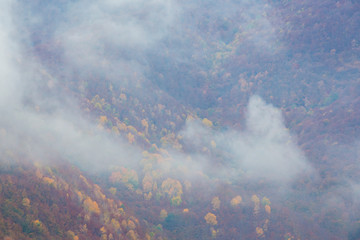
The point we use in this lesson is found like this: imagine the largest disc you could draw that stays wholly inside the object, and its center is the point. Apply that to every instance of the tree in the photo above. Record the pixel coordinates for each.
(116, 225)
(123, 97)
(213, 232)
(38, 226)
(131, 225)
(256, 202)
(147, 183)
(265, 227)
(210, 219)
(265, 201)
(172, 187)
(207, 122)
(103, 233)
(268, 209)
(126, 176)
(131, 235)
(236, 201)
(91, 206)
(176, 201)
(71, 235)
(215, 203)
(145, 125)
(259, 232)
(26, 202)
(103, 120)
(131, 138)
(163, 214)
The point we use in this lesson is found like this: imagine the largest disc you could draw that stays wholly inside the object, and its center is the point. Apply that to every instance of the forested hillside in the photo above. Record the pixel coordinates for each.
(168, 119)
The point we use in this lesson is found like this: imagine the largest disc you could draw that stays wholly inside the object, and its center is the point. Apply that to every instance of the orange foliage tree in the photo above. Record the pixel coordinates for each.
(210, 219)
(259, 232)
(91, 206)
(236, 201)
(172, 188)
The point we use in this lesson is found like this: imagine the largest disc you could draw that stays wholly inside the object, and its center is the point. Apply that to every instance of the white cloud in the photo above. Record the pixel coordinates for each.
(40, 126)
(102, 34)
(9, 54)
(259, 25)
(264, 150)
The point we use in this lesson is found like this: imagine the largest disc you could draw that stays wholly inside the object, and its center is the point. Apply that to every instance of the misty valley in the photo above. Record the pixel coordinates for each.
(169, 119)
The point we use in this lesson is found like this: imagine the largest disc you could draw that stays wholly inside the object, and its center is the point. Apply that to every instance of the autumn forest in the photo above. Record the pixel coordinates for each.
(169, 119)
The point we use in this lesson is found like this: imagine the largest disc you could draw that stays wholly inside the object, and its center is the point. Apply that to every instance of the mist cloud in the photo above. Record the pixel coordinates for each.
(264, 150)
(40, 126)
(113, 36)
(259, 25)
(8, 54)
(267, 149)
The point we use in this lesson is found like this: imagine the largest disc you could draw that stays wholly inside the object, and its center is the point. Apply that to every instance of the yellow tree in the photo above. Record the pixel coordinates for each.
(91, 206)
(148, 196)
(103, 120)
(176, 201)
(163, 214)
(116, 225)
(236, 201)
(26, 202)
(71, 235)
(256, 202)
(213, 232)
(172, 187)
(268, 209)
(145, 125)
(210, 219)
(207, 122)
(147, 183)
(259, 232)
(131, 235)
(131, 138)
(103, 233)
(265, 201)
(131, 225)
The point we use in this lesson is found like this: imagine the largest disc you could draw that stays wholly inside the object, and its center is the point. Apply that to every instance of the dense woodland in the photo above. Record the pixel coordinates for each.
(163, 138)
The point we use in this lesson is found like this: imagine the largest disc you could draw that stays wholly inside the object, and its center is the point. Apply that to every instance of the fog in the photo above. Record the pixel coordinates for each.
(41, 124)
(9, 51)
(265, 149)
(112, 36)
(113, 39)
(44, 45)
